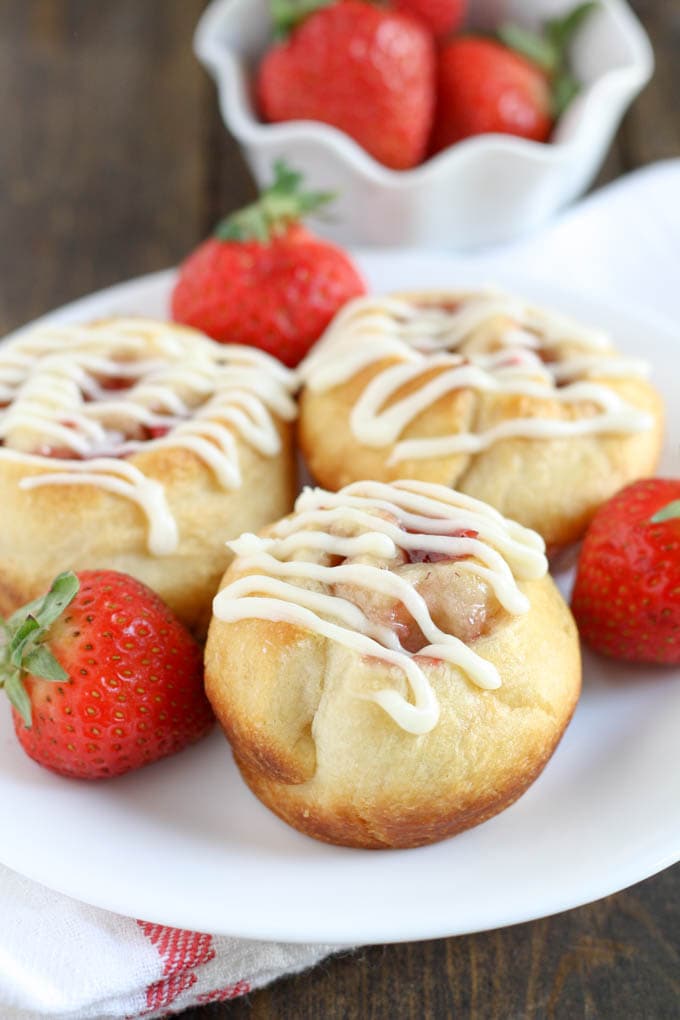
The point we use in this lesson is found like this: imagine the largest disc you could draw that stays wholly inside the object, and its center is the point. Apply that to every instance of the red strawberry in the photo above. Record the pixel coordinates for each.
(103, 678)
(264, 280)
(517, 86)
(440, 16)
(485, 87)
(368, 71)
(626, 599)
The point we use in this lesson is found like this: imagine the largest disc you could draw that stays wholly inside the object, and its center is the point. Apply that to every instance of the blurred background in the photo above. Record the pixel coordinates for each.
(115, 161)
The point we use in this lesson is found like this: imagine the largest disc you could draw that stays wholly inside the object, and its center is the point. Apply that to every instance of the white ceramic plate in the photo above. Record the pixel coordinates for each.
(184, 842)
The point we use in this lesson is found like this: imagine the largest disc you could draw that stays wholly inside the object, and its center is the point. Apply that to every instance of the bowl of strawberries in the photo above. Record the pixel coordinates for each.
(455, 123)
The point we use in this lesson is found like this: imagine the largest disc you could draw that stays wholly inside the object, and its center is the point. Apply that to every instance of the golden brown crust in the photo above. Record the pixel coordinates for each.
(337, 767)
(556, 486)
(57, 527)
(387, 828)
(336, 458)
(551, 485)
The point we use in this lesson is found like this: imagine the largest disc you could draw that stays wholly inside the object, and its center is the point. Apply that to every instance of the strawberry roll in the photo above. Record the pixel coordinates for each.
(140, 446)
(392, 664)
(513, 404)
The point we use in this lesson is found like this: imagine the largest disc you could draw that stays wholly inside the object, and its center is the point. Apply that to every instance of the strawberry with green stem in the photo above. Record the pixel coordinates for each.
(518, 85)
(102, 677)
(359, 66)
(264, 280)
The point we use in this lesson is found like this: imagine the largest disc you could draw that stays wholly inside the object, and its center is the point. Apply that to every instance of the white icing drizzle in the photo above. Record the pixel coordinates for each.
(418, 338)
(282, 582)
(196, 394)
(117, 476)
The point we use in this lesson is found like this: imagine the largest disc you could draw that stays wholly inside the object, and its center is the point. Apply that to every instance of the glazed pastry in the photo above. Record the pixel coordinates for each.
(141, 446)
(391, 663)
(515, 405)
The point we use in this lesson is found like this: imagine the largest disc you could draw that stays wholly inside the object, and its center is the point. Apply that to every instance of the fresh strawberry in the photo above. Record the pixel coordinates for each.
(102, 677)
(367, 70)
(626, 599)
(264, 280)
(485, 87)
(441, 16)
(517, 86)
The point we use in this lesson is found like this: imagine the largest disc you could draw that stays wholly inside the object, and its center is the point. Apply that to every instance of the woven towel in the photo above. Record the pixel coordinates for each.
(61, 958)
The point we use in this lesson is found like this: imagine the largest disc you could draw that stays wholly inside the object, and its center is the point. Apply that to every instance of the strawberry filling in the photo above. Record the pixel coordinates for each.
(118, 449)
(551, 357)
(156, 431)
(58, 453)
(116, 382)
(426, 556)
(429, 556)
(109, 384)
(448, 307)
(459, 603)
(108, 400)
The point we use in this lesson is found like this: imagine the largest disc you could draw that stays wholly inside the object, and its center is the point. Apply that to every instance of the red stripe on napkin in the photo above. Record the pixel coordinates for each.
(180, 952)
(222, 994)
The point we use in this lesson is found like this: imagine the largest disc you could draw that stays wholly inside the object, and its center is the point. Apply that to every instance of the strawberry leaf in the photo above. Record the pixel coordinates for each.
(564, 87)
(20, 638)
(536, 48)
(28, 610)
(46, 608)
(561, 31)
(247, 224)
(21, 651)
(16, 692)
(40, 615)
(667, 513)
(62, 592)
(40, 662)
(549, 50)
(283, 203)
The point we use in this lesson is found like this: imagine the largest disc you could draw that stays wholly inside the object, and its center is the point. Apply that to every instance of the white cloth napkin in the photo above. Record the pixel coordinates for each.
(623, 242)
(62, 959)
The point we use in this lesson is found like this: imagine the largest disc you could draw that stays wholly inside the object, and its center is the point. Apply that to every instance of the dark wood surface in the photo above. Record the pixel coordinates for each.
(114, 162)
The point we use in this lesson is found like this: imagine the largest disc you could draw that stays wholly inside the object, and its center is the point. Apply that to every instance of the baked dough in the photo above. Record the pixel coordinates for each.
(141, 446)
(391, 664)
(517, 406)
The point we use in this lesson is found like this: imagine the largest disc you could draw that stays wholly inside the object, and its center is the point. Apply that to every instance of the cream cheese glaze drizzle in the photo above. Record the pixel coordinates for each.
(93, 395)
(487, 342)
(290, 576)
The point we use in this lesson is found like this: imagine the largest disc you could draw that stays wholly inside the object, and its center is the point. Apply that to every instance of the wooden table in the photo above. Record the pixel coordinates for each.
(114, 162)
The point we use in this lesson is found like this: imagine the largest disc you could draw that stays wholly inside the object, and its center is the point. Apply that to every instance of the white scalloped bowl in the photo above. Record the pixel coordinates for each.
(483, 190)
